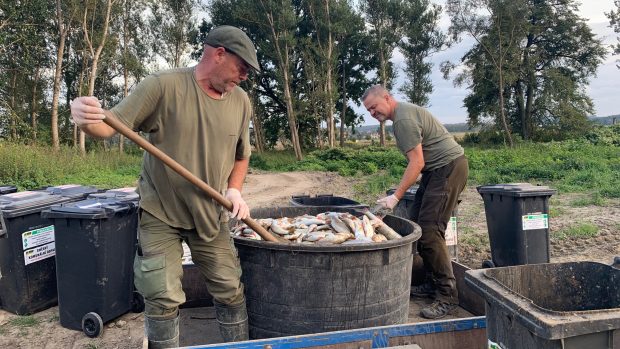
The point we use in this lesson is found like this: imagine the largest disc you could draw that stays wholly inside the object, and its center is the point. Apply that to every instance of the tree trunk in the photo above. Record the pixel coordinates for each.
(33, 104)
(330, 97)
(344, 104)
(383, 65)
(13, 106)
(95, 56)
(521, 109)
(62, 32)
(501, 108)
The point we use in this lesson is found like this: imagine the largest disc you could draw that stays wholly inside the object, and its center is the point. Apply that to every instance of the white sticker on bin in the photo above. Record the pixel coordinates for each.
(39, 253)
(38, 237)
(535, 221)
(451, 233)
(126, 190)
(187, 255)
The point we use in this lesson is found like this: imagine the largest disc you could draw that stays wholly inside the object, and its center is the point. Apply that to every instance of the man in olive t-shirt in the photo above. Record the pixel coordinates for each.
(200, 117)
(432, 152)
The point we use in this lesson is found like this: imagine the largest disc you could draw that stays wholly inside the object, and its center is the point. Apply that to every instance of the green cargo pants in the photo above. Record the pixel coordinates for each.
(158, 270)
(432, 206)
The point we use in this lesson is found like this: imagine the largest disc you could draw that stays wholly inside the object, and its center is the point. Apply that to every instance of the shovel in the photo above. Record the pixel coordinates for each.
(383, 228)
(113, 122)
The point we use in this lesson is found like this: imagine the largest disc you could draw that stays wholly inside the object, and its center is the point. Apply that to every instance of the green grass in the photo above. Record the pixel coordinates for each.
(24, 321)
(555, 211)
(589, 200)
(29, 167)
(583, 230)
(3, 330)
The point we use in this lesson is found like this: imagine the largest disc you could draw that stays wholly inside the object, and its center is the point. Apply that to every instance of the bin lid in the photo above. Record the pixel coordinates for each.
(7, 189)
(516, 189)
(72, 190)
(409, 194)
(119, 194)
(88, 209)
(24, 202)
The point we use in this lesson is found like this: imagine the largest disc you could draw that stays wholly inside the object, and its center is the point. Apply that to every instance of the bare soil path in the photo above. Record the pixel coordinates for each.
(43, 330)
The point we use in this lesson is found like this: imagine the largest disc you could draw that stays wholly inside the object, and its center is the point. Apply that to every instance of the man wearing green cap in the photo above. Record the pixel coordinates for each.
(199, 116)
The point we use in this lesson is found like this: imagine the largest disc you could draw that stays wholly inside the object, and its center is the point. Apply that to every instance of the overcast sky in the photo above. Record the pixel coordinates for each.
(446, 101)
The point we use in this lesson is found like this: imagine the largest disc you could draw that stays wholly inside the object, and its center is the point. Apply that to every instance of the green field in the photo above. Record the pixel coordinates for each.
(590, 164)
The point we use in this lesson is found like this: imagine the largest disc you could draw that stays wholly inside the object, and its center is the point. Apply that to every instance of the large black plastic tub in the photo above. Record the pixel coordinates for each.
(404, 209)
(27, 250)
(518, 223)
(327, 200)
(296, 289)
(564, 305)
(95, 248)
(7, 189)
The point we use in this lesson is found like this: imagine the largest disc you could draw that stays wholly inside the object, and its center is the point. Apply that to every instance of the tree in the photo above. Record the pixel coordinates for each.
(495, 35)
(172, 27)
(614, 22)
(422, 39)
(272, 26)
(546, 53)
(384, 18)
(95, 41)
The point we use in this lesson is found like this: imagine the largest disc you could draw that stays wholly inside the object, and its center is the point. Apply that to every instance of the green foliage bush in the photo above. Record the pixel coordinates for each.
(29, 167)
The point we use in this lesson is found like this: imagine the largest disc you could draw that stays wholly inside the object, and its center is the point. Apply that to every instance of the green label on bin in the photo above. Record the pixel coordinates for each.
(38, 237)
(451, 235)
(535, 221)
(493, 345)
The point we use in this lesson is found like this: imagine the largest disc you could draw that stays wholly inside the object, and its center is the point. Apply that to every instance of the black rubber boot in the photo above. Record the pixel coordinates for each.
(162, 333)
(233, 321)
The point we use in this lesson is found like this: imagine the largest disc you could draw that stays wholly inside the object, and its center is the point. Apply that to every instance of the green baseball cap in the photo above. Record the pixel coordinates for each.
(234, 40)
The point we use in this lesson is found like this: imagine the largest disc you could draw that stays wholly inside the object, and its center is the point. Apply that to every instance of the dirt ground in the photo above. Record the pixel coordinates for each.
(43, 330)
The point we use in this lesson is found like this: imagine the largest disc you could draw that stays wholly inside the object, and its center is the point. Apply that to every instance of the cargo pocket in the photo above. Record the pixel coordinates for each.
(150, 275)
(234, 252)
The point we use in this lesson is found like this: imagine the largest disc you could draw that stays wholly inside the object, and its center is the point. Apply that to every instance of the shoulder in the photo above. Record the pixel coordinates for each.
(169, 75)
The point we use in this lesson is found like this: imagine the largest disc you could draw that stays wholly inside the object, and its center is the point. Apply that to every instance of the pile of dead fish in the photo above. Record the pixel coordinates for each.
(324, 228)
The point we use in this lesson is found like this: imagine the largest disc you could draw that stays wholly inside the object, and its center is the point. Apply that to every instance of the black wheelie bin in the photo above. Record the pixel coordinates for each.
(518, 223)
(95, 248)
(27, 250)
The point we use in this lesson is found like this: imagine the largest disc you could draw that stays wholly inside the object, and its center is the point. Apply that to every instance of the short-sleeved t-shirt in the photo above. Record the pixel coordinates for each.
(203, 134)
(414, 125)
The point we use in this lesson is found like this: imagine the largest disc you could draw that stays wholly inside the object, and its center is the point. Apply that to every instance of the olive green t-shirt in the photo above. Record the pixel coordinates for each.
(203, 134)
(414, 125)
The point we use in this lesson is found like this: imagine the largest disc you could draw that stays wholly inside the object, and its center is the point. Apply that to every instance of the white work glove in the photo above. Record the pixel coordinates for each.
(388, 202)
(86, 110)
(240, 208)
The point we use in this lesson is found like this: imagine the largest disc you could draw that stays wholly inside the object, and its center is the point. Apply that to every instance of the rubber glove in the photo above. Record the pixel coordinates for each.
(240, 208)
(86, 110)
(388, 202)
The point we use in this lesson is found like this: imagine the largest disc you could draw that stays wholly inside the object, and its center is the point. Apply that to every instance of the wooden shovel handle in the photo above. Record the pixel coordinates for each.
(121, 128)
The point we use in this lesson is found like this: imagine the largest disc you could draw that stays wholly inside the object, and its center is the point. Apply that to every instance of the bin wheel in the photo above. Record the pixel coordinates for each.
(487, 264)
(616, 262)
(137, 303)
(92, 325)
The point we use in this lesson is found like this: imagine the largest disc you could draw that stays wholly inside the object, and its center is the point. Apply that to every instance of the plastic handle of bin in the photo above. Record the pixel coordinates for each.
(178, 168)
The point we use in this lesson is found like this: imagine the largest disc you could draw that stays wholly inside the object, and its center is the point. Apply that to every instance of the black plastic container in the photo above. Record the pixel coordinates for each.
(294, 289)
(326, 200)
(118, 194)
(27, 250)
(565, 305)
(518, 223)
(7, 189)
(404, 209)
(74, 191)
(95, 248)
